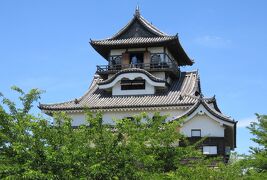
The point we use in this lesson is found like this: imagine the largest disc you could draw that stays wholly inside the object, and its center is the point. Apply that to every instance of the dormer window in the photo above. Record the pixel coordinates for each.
(135, 84)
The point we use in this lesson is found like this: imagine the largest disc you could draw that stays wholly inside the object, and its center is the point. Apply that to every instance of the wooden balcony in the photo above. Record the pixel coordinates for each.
(151, 67)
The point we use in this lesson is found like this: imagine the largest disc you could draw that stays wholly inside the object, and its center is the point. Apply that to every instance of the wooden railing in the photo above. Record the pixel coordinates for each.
(147, 66)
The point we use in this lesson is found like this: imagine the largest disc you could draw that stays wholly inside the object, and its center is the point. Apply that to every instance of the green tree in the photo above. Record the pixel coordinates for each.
(257, 162)
(140, 148)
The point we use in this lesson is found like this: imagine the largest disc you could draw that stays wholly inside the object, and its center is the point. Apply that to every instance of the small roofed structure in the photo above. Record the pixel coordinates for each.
(140, 33)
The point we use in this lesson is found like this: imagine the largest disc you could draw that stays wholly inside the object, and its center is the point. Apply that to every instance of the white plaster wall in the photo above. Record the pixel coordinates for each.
(115, 52)
(208, 126)
(116, 90)
(136, 49)
(79, 118)
(160, 75)
(108, 116)
(156, 49)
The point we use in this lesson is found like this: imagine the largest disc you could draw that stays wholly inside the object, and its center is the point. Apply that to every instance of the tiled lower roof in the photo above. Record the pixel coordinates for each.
(134, 40)
(180, 93)
(211, 110)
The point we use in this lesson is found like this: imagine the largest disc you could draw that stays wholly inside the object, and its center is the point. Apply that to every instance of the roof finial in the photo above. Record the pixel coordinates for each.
(137, 11)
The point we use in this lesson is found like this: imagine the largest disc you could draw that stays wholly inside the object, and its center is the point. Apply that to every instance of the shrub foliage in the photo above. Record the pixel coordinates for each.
(32, 147)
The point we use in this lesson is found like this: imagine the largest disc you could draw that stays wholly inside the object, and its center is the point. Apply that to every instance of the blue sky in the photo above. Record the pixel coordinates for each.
(44, 44)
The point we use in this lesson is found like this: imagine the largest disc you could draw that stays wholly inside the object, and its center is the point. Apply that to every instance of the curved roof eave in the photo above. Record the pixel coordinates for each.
(132, 70)
(201, 101)
(179, 94)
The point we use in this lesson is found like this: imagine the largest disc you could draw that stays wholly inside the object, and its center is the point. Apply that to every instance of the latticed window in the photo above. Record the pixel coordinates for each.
(135, 84)
(196, 133)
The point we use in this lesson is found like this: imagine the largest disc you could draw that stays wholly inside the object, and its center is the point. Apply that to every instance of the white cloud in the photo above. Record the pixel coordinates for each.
(213, 41)
(246, 122)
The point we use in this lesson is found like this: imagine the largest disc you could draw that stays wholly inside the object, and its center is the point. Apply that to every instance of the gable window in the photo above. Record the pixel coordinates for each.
(210, 150)
(135, 84)
(195, 132)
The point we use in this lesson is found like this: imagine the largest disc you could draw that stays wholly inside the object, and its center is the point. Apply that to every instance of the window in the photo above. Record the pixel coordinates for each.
(155, 59)
(135, 84)
(130, 118)
(195, 132)
(137, 57)
(210, 150)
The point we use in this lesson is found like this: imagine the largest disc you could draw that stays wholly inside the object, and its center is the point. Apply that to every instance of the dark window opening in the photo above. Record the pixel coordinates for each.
(195, 132)
(115, 62)
(137, 59)
(133, 84)
(156, 59)
(130, 118)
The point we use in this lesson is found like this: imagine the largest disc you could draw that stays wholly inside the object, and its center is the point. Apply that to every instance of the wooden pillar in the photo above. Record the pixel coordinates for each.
(147, 60)
(125, 60)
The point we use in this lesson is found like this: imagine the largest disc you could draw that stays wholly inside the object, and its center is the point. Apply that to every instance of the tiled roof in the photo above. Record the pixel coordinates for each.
(210, 109)
(144, 22)
(180, 93)
(132, 70)
(103, 47)
(139, 33)
(134, 40)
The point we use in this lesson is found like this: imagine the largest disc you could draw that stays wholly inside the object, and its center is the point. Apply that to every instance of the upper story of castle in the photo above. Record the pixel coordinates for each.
(140, 44)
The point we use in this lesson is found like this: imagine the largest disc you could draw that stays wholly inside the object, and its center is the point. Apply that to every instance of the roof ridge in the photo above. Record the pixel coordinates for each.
(73, 100)
(91, 88)
(49, 104)
(218, 113)
(133, 38)
(143, 20)
(189, 87)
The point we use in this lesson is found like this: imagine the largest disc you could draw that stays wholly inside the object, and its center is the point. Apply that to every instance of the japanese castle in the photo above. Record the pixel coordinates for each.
(143, 75)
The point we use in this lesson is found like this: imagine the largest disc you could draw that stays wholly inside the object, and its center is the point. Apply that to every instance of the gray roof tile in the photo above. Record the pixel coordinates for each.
(96, 98)
(210, 109)
(133, 40)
